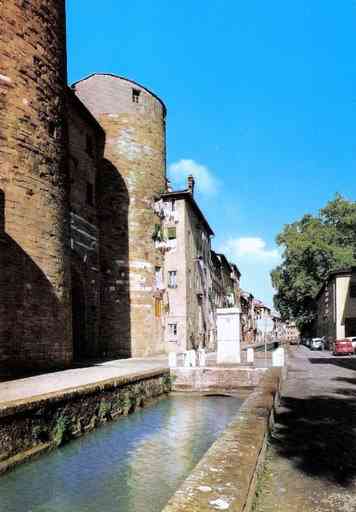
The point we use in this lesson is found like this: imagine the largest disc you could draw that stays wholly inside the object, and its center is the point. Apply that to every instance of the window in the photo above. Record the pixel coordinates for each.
(89, 145)
(353, 290)
(135, 95)
(90, 194)
(172, 279)
(158, 308)
(158, 278)
(172, 330)
(171, 233)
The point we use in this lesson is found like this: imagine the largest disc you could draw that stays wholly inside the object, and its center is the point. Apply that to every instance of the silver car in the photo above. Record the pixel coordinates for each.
(317, 344)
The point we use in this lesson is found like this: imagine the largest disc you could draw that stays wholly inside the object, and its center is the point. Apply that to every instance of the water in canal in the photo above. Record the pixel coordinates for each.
(132, 465)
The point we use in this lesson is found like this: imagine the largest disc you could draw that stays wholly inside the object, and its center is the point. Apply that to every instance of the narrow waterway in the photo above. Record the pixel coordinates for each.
(132, 465)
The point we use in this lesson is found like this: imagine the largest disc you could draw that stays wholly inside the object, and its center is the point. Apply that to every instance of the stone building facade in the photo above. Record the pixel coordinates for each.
(184, 237)
(336, 306)
(35, 313)
(82, 175)
(133, 174)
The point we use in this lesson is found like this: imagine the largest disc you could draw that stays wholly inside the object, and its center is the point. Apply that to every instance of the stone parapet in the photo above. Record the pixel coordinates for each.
(30, 427)
(225, 479)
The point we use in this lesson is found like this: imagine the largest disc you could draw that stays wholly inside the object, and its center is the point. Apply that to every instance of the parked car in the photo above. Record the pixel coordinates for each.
(317, 344)
(353, 341)
(343, 348)
(307, 342)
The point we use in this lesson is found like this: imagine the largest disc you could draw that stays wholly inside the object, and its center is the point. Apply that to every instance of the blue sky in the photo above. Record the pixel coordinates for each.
(261, 100)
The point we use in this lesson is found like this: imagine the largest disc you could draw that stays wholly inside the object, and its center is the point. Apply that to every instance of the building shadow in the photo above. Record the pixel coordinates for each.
(318, 434)
(113, 208)
(32, 330)
(343, 362)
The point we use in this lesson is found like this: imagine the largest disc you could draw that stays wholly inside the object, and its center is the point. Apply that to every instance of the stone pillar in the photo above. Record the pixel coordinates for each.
(228, 325)
(35, 324)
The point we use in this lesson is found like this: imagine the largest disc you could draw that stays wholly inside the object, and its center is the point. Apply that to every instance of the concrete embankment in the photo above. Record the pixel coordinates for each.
(226, 477)
(36, 424)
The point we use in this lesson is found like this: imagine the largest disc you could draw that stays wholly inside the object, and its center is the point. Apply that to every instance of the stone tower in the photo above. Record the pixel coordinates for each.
(35, 325)
(132, 175)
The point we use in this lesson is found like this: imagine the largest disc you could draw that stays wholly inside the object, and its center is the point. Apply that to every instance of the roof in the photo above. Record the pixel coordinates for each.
(126, 80)
(234, 266)
(187, 195)
(223, 260)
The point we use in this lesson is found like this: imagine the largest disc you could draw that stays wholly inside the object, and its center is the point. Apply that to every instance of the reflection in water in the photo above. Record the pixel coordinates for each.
(133, 465)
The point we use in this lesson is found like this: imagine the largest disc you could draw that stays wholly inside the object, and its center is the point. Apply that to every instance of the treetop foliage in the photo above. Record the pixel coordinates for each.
(312, 247)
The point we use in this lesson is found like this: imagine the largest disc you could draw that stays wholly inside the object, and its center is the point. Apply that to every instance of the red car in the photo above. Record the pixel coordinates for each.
(343, 348)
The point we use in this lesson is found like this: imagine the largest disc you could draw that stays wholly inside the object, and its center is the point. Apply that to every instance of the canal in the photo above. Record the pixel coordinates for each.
(132, 465)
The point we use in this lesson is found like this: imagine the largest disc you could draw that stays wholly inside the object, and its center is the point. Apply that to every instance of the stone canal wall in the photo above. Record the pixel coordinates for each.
(217, 378)
(30, 427)
(226, 477)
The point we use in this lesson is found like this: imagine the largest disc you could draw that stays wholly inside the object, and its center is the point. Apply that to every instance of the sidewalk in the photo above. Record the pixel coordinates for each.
(32, 387)
(91, 373)
(311, 463)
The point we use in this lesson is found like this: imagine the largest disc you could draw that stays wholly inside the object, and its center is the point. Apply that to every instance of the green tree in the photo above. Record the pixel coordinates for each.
(313, 247)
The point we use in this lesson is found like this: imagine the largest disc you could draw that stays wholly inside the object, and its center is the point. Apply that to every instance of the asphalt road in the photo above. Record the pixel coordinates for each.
(311, 462)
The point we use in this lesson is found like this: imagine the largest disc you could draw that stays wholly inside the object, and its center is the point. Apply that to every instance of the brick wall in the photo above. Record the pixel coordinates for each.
(35, 324)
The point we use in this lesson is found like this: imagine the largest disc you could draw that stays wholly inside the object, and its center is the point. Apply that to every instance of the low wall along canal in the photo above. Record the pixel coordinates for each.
(198, 443)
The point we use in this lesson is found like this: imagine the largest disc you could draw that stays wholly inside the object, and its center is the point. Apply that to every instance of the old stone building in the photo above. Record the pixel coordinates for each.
(83, 270)
(184, 237)
(336, 306)
(35, 297)
(133, 173)
(79, 172)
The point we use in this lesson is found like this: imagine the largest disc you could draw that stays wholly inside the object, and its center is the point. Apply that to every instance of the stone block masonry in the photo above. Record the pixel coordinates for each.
(30, 427)
(132, 176)
(35, 323)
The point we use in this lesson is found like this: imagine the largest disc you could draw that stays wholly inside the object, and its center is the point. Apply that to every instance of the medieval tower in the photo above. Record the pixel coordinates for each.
(132, 175)
(35, 322)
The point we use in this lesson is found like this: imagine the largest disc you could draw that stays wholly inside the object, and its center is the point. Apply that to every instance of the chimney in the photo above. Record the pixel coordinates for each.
(168, 186)
(191, 183)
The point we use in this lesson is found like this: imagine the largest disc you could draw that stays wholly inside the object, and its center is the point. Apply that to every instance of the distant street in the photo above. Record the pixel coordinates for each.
(311, 465)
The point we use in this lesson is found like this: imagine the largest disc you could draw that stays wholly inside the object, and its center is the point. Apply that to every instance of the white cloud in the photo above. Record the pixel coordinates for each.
(249, 248)
(205, 180)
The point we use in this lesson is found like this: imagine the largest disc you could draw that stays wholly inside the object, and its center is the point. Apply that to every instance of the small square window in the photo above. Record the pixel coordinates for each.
(171, 233)
(90, 194)
(172, 330)
(172, 279)
(135, 95)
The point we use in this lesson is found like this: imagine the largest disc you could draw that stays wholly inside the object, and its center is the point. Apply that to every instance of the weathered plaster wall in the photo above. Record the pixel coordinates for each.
(176, 260)
(133, 173)
(31, 427)
(35, 323)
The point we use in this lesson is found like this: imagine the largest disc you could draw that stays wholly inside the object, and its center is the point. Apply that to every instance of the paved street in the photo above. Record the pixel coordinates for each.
(311, 465)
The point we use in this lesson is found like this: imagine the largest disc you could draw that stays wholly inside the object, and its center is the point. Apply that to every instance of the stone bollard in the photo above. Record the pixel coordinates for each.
(192, 358)
(250, 355)
(278, 357)
(186, 361)
(172, 360)
(201, 357)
